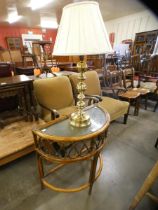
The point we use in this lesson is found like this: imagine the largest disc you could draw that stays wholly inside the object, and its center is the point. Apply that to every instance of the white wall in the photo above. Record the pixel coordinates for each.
(126, 27)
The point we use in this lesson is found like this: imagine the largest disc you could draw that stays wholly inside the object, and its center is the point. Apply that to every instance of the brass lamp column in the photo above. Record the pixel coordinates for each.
(80, 118)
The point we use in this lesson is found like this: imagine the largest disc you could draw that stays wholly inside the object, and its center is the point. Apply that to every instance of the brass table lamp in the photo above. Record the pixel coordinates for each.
(81, 32)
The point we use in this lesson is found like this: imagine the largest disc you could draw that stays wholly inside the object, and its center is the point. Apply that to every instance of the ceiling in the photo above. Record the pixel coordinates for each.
(110, 9)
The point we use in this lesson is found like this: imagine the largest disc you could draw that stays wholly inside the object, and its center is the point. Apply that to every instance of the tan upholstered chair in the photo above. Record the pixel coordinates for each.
(116, 108)
(54, 94)
(55, 97)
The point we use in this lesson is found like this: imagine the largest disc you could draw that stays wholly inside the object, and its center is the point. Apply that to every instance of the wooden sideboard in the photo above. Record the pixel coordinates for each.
(21, 86)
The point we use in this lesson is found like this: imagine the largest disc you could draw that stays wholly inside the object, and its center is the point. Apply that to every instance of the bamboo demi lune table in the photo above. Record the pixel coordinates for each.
(60, 143)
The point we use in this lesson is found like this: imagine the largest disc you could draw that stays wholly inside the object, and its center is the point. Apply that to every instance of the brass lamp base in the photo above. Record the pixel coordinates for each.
(79, 120)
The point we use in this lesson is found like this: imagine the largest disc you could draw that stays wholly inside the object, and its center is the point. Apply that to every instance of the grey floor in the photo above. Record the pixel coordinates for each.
(128, 158)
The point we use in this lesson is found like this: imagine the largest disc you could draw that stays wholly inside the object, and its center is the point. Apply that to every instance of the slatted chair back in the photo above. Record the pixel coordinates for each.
(128, 77)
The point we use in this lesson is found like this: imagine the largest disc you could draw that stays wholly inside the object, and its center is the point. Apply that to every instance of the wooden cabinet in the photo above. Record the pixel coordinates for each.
(14, 43)
(145, 42)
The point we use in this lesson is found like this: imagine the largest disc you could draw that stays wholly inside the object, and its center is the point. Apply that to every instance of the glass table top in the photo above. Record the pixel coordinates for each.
(63, 128)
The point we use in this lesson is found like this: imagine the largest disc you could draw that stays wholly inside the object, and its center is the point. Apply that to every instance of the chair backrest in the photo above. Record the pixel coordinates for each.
(128, 77)
(92, 83)
(113, 78)
(16, 56)
(5, 56)
(54, 92)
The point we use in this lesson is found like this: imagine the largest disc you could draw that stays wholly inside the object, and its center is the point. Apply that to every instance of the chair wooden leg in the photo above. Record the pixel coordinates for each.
(126, 116)
(146, 101)
(153, 175)
(156, 143)
(137, 105)
(156, 106)
(92, 172)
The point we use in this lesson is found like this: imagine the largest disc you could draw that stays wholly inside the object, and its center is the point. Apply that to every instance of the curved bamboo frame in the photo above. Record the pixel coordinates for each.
(76, 189)
(65, 150)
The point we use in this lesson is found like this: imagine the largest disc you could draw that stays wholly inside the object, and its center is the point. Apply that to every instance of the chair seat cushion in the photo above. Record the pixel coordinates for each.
(114, 107)
(67, 110)
(148, 85)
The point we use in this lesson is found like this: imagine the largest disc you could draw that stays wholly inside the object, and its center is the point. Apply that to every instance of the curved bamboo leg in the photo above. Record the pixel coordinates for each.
(92, 172)
(40, 169)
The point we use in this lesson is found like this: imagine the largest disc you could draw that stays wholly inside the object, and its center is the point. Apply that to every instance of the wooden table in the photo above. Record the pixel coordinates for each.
(16, 140)
(131, 96)
(21, 86)
(144, 93)
(64, 65)
(50, 75)
(69, 66)
(60, 143)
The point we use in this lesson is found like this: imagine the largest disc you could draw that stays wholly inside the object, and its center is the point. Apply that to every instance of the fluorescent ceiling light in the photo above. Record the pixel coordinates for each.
(36, 4)
(49, 23)
(13, 17)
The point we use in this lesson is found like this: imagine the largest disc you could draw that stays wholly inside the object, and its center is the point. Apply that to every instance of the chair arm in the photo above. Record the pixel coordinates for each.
(92, 99)
(97, 97)
(148, 78)
(114, 89)
(54, 113)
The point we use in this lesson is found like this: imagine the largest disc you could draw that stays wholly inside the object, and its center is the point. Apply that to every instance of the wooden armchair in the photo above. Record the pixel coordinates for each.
(114, 83)
(144, 190)
(115, 108)
(55, 97)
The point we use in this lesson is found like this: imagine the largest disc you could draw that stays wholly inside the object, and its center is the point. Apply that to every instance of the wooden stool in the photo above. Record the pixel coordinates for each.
(131, 96)
(153, 175)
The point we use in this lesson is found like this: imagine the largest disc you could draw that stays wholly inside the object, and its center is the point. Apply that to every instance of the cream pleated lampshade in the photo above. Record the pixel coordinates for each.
(82, 31)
